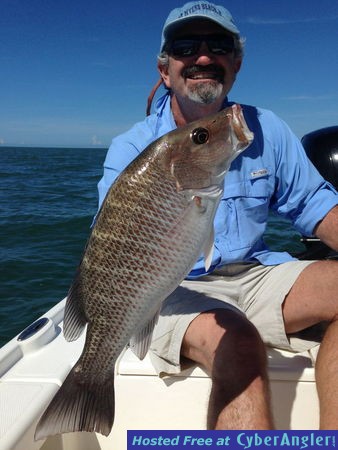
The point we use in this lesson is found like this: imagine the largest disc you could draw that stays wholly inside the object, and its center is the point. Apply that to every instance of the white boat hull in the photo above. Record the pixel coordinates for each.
(32, 370)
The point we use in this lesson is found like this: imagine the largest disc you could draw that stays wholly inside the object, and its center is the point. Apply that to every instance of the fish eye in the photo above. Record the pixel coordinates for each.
(200, 135)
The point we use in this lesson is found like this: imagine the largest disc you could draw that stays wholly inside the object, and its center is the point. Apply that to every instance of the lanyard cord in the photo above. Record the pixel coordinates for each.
(151, 96)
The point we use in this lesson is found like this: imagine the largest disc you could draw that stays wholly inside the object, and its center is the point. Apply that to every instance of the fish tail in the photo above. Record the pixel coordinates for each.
(78, 407)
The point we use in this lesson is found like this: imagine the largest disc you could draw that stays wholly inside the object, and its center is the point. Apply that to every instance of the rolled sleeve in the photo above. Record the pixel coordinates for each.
(119, 155)
(127, 146)
(302, 194)
(322, 201)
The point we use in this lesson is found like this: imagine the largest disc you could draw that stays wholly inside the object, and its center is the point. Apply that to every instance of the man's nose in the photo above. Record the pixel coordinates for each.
(204, 55)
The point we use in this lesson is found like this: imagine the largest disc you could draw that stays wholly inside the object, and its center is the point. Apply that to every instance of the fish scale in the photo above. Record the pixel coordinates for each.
(155, 222)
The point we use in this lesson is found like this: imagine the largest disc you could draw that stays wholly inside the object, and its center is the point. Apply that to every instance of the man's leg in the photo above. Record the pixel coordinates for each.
(314, 298)
(228, 346)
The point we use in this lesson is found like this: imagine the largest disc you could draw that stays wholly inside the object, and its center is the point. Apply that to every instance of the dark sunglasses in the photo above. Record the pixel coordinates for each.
(189, 46)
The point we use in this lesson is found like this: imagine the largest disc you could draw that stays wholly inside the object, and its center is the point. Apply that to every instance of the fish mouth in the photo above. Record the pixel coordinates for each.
(244, 135)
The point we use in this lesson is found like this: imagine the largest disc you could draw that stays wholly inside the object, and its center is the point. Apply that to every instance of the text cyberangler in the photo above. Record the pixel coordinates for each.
(244, 440)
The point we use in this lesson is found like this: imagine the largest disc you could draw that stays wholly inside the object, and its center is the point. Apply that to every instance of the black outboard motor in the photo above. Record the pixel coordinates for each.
(321, 147)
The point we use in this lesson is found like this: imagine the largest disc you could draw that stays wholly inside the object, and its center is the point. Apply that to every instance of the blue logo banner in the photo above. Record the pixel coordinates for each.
(231, 440)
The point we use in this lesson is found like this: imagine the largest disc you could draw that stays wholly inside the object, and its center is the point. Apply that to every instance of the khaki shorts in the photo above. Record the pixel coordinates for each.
(253, 289)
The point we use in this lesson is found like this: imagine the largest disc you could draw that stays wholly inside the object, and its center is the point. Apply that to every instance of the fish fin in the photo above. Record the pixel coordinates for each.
(208, 249)
(189, 194)
(140, 342)
(74, 318)
(78, 407)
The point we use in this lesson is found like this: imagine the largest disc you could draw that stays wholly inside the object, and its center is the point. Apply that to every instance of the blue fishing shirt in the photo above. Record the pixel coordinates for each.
(272, 173)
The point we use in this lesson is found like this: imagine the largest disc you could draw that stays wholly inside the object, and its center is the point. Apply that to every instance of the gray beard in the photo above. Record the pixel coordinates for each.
(205, 93)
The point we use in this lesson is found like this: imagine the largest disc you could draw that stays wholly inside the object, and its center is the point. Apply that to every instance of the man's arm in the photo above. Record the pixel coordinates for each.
(327, 229)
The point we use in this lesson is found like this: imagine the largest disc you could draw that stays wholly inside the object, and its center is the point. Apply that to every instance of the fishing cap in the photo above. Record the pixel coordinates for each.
(197, 10)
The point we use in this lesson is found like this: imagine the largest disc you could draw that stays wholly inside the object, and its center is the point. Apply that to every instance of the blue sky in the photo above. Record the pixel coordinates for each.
(78, 72)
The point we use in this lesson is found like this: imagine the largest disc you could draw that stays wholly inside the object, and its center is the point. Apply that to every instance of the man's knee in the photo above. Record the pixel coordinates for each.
(313, 298)
(224, 342)
(240, 354)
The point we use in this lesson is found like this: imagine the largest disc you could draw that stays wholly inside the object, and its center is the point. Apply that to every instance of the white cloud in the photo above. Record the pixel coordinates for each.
(308, 97)
(95, 140)
(2, 141)
(279, 21)
(102, 65)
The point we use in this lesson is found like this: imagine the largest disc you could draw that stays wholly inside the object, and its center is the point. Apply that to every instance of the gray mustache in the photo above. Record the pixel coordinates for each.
(196, 69)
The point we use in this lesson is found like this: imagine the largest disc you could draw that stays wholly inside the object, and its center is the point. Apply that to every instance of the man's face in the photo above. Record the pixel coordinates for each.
(203, 77)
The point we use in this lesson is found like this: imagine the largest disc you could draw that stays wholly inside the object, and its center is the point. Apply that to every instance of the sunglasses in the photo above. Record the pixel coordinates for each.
(189, 46)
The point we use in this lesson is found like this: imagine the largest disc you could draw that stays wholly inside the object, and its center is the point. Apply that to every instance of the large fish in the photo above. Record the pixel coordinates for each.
(156, 220)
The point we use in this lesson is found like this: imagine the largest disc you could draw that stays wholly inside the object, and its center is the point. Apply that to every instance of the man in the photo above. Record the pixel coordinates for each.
(250, 295)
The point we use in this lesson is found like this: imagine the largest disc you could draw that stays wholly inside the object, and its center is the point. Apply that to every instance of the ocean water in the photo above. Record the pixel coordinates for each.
(48, 197)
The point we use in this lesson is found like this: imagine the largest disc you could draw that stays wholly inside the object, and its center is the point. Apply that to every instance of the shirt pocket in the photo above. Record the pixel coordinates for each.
(242, 215)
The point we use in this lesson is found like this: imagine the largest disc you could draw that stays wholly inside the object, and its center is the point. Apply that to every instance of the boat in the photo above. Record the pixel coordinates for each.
(34, 364)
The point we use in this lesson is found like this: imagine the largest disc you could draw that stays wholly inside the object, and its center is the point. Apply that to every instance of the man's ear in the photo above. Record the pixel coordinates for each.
(163, 69)
(238, 65)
